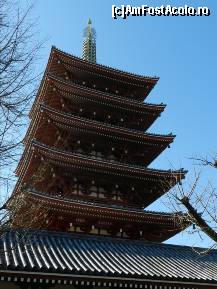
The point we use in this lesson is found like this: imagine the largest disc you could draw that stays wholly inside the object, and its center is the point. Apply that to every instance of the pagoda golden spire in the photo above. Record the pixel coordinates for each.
(89, 43)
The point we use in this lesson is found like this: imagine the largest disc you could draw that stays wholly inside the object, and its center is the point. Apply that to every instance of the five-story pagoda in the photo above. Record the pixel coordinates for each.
(78, 217)
(85, 164)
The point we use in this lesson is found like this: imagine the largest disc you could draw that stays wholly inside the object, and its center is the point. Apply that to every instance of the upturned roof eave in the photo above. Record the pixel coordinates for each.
(140, 134)
(107, 69)
(160, 216)
(64, 156)
(111, 96)
(65, 117)
(48, 75)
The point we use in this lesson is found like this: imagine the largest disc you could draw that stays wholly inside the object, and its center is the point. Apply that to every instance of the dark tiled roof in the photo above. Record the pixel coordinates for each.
(128, 209)
(109, 69)
(139, 133)
(66, 253)
(64, 156)
(64, 85)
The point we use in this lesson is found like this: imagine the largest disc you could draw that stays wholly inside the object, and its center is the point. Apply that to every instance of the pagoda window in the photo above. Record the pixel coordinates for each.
(71, 228)
(97, 191)
(103, 232)
(99, 155)
(80, 191)
(93, 153)
(78, 229)
(94, 231)
(79, 151)
(111, 157)
(94, 191)
(76, 189)
(100, 195)
(120, 234)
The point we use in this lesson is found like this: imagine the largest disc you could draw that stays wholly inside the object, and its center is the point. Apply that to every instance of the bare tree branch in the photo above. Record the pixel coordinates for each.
(19, 52)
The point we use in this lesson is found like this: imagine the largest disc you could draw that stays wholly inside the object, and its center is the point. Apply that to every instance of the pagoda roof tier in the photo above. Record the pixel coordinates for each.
(69, 122)
(159, 180)
(67, 159)
(76, 92)
(161, 225)
(118, 131)
(131, 85)
(115, 210)
(104, 210)
(82, 261)
(72, 89)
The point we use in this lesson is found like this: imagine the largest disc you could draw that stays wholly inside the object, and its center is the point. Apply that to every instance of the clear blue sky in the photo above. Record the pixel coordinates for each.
(181, 50)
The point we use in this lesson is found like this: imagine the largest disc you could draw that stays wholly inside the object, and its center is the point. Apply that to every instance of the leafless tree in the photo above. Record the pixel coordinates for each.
(199, 201)
(19, 52)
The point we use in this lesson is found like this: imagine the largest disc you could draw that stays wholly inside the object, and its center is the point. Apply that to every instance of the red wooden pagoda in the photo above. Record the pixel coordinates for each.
(85, 172)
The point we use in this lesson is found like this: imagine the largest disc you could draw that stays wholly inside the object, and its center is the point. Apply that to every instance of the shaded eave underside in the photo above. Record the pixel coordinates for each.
(75, 121)
(105, 259)
(106, 70)
(67, 159)
(64, 159)
(105, 96)
(69, 205)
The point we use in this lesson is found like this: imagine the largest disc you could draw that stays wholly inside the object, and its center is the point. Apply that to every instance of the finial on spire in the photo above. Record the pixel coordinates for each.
(89, 43)
(89, 21)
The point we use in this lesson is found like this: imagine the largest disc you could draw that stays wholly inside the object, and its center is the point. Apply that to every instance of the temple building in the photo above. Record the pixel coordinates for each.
(78, 210)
